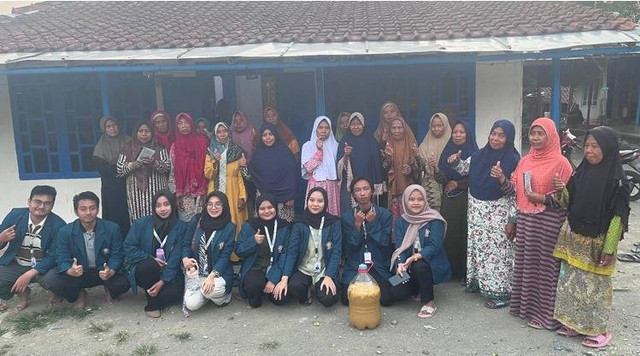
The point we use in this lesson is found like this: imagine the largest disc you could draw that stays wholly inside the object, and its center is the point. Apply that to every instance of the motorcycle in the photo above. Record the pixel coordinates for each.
(568, 142)
(631, 164)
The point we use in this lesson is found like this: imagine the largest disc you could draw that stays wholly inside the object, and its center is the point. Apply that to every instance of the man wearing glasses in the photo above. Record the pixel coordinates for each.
(27, 246)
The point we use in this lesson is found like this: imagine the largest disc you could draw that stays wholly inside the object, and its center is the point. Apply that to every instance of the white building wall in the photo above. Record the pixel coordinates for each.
(249, 98)
(498, 96)
(15, 192)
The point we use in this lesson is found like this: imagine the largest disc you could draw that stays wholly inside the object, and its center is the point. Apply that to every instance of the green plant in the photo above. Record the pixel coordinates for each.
(183, 336)
(121, 337)
(99, 328)
(145, 350)
(26, 322)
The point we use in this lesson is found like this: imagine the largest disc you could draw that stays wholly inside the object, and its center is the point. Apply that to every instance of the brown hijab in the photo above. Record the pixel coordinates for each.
(109, 148)
(403, 154)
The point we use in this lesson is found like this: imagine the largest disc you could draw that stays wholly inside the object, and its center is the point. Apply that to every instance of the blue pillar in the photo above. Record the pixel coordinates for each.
(320, 98)
(555, 92)
(104, 94)
(638, 106)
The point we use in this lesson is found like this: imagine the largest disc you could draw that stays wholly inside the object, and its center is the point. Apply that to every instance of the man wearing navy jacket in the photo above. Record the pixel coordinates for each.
(89, 253)
(27, 245)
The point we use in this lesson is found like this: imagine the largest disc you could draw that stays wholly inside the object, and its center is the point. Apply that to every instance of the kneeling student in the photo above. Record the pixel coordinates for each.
(209, 273)
(89, 253)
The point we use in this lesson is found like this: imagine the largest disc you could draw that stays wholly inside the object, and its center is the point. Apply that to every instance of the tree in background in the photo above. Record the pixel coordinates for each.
(628, 9)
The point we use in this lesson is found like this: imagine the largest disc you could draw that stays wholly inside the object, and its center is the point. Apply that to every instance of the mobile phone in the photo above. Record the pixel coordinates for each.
(397, 279)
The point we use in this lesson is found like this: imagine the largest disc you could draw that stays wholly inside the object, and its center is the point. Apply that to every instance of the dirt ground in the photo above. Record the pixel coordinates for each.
(462, 326)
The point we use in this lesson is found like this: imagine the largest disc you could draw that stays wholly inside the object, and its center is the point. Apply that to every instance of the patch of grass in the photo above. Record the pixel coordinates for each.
(105, 353)
(26, 322)
(145, 350)
(4, 349)
(99, 328)
(121, 337)
(184, 336)
(269, 345)
(3, 330)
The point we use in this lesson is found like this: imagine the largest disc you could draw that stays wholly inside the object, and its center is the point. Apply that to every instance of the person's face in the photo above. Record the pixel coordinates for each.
(497, 138)
(316, 202)
(416, 202)
(163, 207)
(266, 211)
(222, 134)
(323, 130)
(271, 116)
(160, 122)
(538, 138)
(267, 138)
(184, 127)
(389, 113)
(87, 211)
(362, 192)
(111, 128)
(200, 128)
(592, 151)
(459, 135)
(397, 130)
(40, 205)
(144, 133)
(356, 127)
(214, 207)
(437, 127)
(344, 123)
(239, 122)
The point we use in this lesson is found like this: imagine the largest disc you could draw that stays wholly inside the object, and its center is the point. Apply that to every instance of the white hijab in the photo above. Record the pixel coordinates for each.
(327, 169)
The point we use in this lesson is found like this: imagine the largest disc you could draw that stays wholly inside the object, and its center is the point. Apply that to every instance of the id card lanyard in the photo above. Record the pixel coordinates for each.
(35, 229)
(272, 242)
(367, 253)
(317, 266)
(206, 248)
(161, 242)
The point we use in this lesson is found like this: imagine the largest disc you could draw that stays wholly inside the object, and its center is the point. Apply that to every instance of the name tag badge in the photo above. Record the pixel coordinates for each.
(317, 267)
(367, 256)
(33, 262)
(160, 254)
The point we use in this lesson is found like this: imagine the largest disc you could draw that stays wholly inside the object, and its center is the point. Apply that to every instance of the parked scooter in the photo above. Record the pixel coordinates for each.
(630, 160)
(568, 142)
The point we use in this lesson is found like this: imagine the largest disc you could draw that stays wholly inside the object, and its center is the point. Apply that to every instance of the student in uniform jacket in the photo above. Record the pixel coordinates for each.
(316, 237)
(89, 253)
(154, 248)
(25, 233)
(366, 232)
(263, 246)
(206, 256)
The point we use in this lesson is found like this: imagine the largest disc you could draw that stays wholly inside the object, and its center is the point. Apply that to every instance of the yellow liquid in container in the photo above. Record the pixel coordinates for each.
(364, 302)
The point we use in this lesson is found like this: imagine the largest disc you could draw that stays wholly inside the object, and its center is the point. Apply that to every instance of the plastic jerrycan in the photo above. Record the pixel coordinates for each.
(364, 300)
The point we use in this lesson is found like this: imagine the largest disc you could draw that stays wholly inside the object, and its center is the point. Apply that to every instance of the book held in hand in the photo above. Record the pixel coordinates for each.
(145, 152)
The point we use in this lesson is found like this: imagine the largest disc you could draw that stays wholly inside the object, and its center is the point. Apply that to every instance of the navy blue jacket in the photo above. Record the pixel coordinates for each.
(138, 246)
(107, 243)
(247, 249)
(431, 240)
(331, 247)
(378, 242)
(220, 249)
(20, 218)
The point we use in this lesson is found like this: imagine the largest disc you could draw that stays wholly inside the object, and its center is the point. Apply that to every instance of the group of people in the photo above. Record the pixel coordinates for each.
(528, 233)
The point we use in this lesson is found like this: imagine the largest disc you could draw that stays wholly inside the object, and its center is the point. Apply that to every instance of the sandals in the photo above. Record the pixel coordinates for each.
(496, 304)
(597, 341)
(629, 257)
(568, 332)
(427, 311)
(535, 324)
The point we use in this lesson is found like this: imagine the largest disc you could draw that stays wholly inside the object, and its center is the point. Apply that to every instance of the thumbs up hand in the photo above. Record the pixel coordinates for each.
(75, 270)
(496, 172)
(454, 158)
(558, 184)
(347, 149)
(259, 237)
(243, 161)
(432, 160)
(106, 273)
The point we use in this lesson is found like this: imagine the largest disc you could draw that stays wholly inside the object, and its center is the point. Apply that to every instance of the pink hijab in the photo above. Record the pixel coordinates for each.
(243, 132)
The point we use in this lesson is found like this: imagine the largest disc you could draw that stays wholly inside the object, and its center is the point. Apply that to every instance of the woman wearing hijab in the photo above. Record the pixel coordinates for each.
(114, 188)
(420, 233)
(401, 163)
(263, 246)
(316, 239)
(358, 156)
(187, 178)
(273, 170)
(430, 152)
(319, 162)
(342, 125)
(388, 112)
(205, 257)
(597, 200)
(161, 122)
(272, 116)
(154, 248)
(243, 133)
(535, 272)
(146, 173)
(203, 128)
(491, 215)
(455, 197)
(223, 164)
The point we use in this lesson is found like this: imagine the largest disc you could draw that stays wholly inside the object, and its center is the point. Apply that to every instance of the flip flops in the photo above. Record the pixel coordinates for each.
(597, 341)
(427, 312)
(635, 249)
(568, 332)
(496, 304)
(629, 257)
(535, 324)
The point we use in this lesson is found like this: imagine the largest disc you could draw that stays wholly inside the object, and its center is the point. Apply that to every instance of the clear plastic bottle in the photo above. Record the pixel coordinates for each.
(364, 300)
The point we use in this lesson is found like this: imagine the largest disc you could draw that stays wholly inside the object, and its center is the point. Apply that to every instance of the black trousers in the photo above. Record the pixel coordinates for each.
(148, 273)
(253, 285)
(388, 293)
(421, 282)
(299, 285)
(70, 287)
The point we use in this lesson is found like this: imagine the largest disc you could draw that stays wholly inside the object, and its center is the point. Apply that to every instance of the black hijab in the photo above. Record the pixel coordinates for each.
(599, 192)
(314, 220)
(164, 226)
(263, 225)
(209, 224)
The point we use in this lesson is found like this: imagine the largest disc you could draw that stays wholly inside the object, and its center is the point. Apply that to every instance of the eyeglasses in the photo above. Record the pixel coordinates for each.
(39, 203)
(216, 205)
